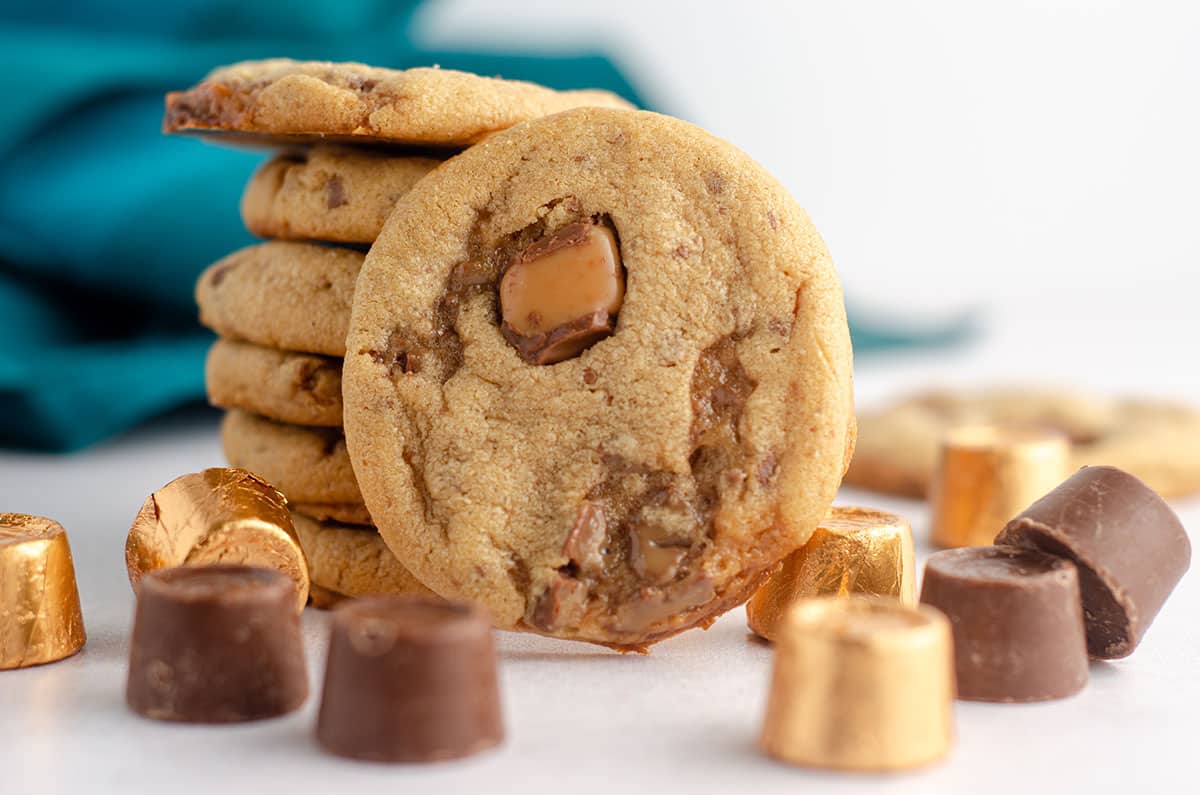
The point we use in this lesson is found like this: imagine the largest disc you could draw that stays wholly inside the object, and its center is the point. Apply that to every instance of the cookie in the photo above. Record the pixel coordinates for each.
(281, 99)
(1159, 441)
(328, 193)
(598, 377)
(297, 388)
(352, 561)
(309, 465)
(281, 294)
(341, 512)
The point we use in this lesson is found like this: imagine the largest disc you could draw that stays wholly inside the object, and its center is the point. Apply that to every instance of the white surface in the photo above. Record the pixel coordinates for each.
(949, 151)
(1037, 158)
(683, 719)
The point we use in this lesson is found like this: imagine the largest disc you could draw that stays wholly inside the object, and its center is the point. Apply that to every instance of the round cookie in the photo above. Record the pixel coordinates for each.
(281, 99)
(650, 482)
(352, 561)
(297, 388)
(281, 294)
(328, 193)
(1159, 441)
(309, 465)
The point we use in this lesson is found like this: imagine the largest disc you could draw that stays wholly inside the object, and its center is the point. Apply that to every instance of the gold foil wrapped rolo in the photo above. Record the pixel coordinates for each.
(987, 474)
(40, 617)
(853, 551)
(862, 683)
(219, 515)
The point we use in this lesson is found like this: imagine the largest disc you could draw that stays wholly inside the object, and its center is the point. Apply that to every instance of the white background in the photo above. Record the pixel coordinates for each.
(1039, 159)
(952, 153)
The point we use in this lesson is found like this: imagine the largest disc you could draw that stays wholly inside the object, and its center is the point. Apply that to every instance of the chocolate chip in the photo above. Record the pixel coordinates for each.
(767, 469)
(218, 274)
(560, 605)
(335, 193)
(587, 537)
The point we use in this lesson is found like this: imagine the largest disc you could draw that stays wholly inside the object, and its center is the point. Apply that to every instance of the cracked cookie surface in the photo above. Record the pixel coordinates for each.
(647, 476)
(329, 193)
(281, 99)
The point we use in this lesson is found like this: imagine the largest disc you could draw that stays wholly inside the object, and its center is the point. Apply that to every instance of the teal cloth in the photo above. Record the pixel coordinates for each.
(105, 223)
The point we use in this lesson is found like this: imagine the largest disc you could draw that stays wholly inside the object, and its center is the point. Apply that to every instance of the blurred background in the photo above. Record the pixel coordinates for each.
(986, 165)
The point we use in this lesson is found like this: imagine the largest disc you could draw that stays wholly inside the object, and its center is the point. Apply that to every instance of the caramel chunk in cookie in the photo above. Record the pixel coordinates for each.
(562, 294)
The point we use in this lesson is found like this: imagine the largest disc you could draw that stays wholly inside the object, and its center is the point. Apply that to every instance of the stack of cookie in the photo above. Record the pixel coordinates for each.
(353, 139)
(597, 373)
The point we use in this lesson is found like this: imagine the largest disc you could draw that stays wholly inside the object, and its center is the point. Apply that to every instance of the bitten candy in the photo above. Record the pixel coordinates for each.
(410, 679)
(986, 474)
(853, 551)
(216, 644)
(1129, 546)
(40, 619)
(863, 683)
(219, 515)
(1018, 626)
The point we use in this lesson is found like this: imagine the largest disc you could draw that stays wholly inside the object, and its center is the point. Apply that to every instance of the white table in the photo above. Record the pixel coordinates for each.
(583, 719)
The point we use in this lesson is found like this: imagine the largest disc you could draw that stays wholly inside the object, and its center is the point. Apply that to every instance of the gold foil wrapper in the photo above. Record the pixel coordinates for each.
(216, 516)
(40, 617)
(863, 683)
(853, 551)
(987, 474)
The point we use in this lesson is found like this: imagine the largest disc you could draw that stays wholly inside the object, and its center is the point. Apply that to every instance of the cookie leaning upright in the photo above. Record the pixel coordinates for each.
(598, 377)
(352, 102)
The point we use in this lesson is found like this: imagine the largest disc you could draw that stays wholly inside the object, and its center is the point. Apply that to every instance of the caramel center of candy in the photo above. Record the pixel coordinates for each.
(562, 294)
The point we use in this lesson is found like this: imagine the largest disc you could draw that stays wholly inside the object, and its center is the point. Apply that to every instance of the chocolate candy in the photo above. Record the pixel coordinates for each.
(853, 551)
(216, 644)
(1128, 544)
(216, 516)
(40, 619)
(863, 683)
(986, 474)
(1018, 626)
(410, 679)
(561, 295)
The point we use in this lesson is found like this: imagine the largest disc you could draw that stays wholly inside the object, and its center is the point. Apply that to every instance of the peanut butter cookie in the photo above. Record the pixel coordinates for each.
(281, 99)
(329, 193)
(309, 465)
(352, 561)
(292, 296)
(1159, 441)
(598, 377)
(297, 388)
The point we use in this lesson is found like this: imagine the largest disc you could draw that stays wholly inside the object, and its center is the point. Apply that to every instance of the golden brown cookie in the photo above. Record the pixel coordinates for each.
(1159, 441)
(332, 193)
(309, 465)
(352, 561)
(281, 294)
(598, 377)
(281, 99)
(297, 388)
